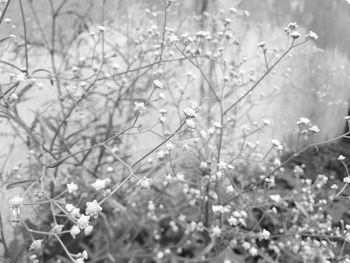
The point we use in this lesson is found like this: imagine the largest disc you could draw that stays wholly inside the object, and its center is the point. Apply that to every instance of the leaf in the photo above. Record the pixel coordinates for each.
(19, 183)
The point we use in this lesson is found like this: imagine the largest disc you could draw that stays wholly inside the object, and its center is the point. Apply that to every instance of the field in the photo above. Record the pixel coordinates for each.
(174, 131)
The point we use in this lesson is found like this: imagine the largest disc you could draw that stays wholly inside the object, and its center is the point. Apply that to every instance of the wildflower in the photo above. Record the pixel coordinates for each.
(88, 230)
(311, 35)
(160, 255)
(191, 124)
(303, 121)
(253, 251)
(190, 113)
(264, 234)
(13, 96)
(347, 118)
(314, 129)
(75, 212)
(144, 183)
(83, 221)
(266, 122)
(101, 28)
(262, 45)
(57, 228)
(341, 157)
(216, 231)
(346, 180)
(217, 125)
(72, 188)
(16, 201)
(93, 208)
(232, 221)
(74, 231)
(275, 143)
(36, 244)
(140, 107)
(292, 26)
(157, 84)
(100, 184)
(276, 198)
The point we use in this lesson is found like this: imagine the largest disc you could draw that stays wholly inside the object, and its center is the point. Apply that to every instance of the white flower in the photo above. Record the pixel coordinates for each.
(229, 189)
(264, 234)
(157, 84)
(232, 221)
(100, 184)
(74, 231)
(16, 201)
(341, 157)
(140, 107)
(217, 125)
(93, 208)
(88, 230)
(75, 212)
(101, 28)
(314, 129)
(36, 244)
(276, 198)
(216, 231)
(346, 180)
(189, 113)
(57, 228)
(266, 122)
(311, 35)
(262, 44)
(83, 221)
(303, 121)
(275, 143)
(72, 188)
(13, 96)
(20, 77)
(191, 124)
(144, 183)
(69, 207)
(347, 118)
(246, 245)
(253, 251)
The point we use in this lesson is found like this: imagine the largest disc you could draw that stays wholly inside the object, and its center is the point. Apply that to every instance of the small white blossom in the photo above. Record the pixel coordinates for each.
(311, 35)
(101, 28)
(253, 251)
(189, 113)
(36, 244)
(275, 143)
(191, 124)
(100, 184)
(16, 201)
(83, 221)
(140, 107)
(144, 183)
(157, 84)
(341, 157)
(314, 129)
(276, 198)
(303, 121)
(74, 231)
(346, 180)
(216, 231)
(88, 230)
(93, 208)
(72, 188)
(266, 122)
(264, 234)
(69, 207)
(217, 125)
